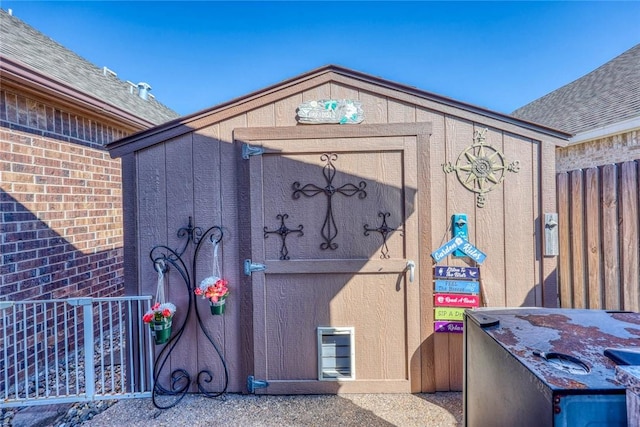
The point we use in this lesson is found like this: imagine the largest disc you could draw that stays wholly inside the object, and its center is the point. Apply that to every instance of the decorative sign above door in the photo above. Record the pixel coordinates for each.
(342, 111)
(480, 167)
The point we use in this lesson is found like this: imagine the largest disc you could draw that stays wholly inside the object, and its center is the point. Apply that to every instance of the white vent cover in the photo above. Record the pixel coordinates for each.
(336, 354)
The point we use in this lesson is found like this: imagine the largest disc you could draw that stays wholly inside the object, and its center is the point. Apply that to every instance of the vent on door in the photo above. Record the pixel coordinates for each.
(336, 354)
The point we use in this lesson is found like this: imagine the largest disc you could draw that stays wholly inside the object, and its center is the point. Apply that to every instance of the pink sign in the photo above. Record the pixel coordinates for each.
(451, 327)
(456, 300)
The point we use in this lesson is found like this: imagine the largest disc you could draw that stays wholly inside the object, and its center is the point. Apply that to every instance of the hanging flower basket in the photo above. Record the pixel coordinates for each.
(159, 319)
(216, 291)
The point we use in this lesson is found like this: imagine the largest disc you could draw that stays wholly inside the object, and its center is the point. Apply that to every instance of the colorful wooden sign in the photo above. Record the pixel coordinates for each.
(446, 249)
(472, 252)
(458, 243)
(456, 300)
(450, 327)
(457, 286)
(452, 272)
(448, 313)
(331, 111)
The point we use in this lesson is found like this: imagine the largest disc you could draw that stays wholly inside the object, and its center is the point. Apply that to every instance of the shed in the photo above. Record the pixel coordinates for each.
(345, 218)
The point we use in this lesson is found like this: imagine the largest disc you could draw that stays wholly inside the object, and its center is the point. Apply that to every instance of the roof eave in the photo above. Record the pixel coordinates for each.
(20, 74)
(187, 123)
(605, 131)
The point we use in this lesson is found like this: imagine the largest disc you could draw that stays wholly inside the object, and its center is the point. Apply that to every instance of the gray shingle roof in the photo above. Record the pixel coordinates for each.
(24, 44)
(607, 95)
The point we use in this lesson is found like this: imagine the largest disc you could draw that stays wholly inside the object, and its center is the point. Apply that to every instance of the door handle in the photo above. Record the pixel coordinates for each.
(411, 266)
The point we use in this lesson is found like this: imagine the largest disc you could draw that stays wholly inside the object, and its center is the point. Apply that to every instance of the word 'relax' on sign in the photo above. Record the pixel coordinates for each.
(339, 111)
(462, 244)
(451, 327)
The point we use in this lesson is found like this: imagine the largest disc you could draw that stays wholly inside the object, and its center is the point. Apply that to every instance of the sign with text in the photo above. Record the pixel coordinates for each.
(331, 111)
(457, 286)
(458, 243)
(456, 300)
(472, 252)
(451, 327)
(445, 250)
(448, 313)
(452, 272)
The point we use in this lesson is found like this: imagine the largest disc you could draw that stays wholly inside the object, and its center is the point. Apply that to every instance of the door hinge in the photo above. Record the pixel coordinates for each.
(250, 267)
(250, 150)
(253, 384)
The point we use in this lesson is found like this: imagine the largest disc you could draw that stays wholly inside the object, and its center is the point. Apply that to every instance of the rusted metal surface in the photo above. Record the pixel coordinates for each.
(565, 348)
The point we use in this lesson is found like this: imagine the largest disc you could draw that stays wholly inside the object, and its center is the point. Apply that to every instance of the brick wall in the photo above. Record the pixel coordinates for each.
(19, 112)
(60, 203)
(599, 152)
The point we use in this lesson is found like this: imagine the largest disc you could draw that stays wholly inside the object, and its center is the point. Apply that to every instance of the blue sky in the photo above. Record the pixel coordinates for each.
(498, 55)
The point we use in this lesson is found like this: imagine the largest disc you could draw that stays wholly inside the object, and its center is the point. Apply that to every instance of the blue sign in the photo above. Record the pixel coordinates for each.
(446, 249)
(458, 243)
(451, 272)
(457, 286)
(472, 252)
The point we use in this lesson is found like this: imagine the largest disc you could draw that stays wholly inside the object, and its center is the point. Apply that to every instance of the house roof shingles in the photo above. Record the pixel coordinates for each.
(24, 44)
(610, 94)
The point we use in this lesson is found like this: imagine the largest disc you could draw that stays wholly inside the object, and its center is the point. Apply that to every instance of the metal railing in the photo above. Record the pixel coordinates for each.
(71, 350)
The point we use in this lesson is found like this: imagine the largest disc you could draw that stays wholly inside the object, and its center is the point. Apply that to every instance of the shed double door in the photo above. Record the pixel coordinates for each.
(333, 220)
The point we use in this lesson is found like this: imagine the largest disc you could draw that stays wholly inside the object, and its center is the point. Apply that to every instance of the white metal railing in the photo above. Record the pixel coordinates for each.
(78, 349)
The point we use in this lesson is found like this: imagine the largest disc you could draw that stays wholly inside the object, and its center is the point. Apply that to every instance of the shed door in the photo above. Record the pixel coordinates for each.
(333, 220)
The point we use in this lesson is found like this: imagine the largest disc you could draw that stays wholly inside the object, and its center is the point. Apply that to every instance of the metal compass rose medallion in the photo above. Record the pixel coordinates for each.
(480, 167)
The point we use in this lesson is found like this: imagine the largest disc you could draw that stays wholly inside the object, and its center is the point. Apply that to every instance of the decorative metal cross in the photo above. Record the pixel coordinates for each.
(329, 227)
(283, 231)
(384, 230)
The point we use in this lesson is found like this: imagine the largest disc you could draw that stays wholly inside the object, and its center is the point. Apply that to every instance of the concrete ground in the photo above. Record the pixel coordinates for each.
(406, 410)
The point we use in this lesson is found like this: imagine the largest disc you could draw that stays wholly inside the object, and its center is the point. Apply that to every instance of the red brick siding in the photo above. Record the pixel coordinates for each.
(60, 203)
(61, 219)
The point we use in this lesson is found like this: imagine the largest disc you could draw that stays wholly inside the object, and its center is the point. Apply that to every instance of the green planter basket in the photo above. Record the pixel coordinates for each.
(217, 308)
(161, 330)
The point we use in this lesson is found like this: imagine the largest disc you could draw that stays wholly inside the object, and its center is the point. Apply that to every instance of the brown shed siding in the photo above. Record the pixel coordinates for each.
(194, 173)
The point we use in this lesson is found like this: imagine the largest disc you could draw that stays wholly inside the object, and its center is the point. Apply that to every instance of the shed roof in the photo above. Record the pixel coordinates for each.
(328, 73)
(26, 46)
(607, 95)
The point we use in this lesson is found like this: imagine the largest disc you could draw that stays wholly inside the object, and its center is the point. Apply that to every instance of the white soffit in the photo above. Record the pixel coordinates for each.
(601, 132)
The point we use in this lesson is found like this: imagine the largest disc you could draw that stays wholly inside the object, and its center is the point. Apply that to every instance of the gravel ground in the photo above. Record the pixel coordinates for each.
(406, 410)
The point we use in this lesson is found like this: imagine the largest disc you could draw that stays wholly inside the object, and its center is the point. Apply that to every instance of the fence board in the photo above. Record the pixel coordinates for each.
(564, 263)
(577, 239)
(611, 261)
(629, 235)
(592, 220)
(600, 237)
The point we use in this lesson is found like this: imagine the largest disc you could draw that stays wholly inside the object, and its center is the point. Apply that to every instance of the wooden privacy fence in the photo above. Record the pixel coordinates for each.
(599, 237)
